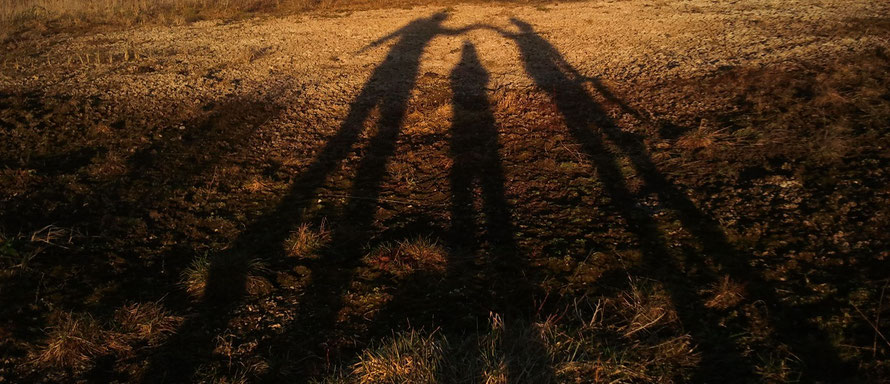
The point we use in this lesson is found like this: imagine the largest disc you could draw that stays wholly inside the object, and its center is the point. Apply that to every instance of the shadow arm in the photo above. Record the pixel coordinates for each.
(382, 40)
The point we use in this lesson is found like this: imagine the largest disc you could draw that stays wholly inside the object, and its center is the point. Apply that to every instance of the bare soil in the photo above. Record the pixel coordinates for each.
(289, 191)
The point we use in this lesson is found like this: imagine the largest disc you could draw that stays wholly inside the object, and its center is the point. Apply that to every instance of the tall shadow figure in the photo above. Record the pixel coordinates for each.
(474, 149)
(722, 360)
(485, 272)
(388, 89)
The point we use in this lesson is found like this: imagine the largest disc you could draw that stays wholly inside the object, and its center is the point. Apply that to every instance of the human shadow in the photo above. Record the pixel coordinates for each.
(476, 163)
(474, 148)
(485, 274)
(722, 358)
(146, 180)
(387, 91)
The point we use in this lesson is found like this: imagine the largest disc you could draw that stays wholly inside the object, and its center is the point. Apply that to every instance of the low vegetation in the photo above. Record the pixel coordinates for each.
(20, 17)
(406, 257)
(632, 337)
(67, 13)
(226, 267)
(306, 242)
(78, 341)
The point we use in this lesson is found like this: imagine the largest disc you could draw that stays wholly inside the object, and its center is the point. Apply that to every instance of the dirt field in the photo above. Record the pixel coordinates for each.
(624, 191)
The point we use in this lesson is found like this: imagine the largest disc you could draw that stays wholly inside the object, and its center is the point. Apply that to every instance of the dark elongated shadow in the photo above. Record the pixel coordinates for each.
(310, 330)
(154, 174)
(388, 89)
(722, 359)
(485, 264)
(474, 149)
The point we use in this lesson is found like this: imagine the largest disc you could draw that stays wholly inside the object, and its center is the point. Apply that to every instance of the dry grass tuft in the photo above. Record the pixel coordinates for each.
(703, 138)
(632, 337)
(196, 276)
(406, 257)
(305, 242)
(255, 185)
(72, 344)
(77, 340)
(409, 357)
(517, 350)
(644, 310)
(726, 294)
(148, 322)
(779, 366)
(226, 267)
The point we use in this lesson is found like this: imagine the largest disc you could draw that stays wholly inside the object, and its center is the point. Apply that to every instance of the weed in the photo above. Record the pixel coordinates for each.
(726, 294)
(148, 322)
(72, 343)
(225, 267)
(406, 257)
(409, 357)
(305, 242)
(632, 337)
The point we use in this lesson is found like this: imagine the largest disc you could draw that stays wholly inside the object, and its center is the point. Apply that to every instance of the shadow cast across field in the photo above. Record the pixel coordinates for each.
(148, 179)
(476, 162)
(387, 91)
(474, 150)
(485, 272)
(592, 128)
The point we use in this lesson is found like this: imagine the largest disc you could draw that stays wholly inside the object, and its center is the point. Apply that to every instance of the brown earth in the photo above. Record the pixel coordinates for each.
(273, 198)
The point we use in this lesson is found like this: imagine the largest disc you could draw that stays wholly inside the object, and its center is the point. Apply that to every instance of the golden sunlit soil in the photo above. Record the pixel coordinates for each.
(628, 191)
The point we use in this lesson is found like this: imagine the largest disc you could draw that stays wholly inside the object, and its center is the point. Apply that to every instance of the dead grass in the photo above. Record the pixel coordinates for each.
(778, 369)
(632, 337)
(726, 294)
(816, 116)
(514, 350)
(17, 252)
(127, 12)
(411, 357)
(226, 267)
(148, 322)
(635, 336)
(72, 343)
(306, 241)
(406, 257)
(70, 15)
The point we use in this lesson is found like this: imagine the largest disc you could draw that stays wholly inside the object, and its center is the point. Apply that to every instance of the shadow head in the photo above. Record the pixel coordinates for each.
(468, 48)
(523, 26)
(439, 17)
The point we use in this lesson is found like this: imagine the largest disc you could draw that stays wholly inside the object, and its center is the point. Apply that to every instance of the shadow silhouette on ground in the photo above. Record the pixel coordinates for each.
(591, 127)
(477, 165)
(387, 90)
(168, 165)
(485, 274)
(474, 149)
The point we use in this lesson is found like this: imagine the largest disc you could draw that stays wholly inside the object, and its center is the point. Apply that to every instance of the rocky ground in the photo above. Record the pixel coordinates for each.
(592, 191)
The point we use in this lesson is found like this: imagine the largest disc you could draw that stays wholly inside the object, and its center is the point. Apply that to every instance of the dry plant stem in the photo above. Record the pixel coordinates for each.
(873, 326)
